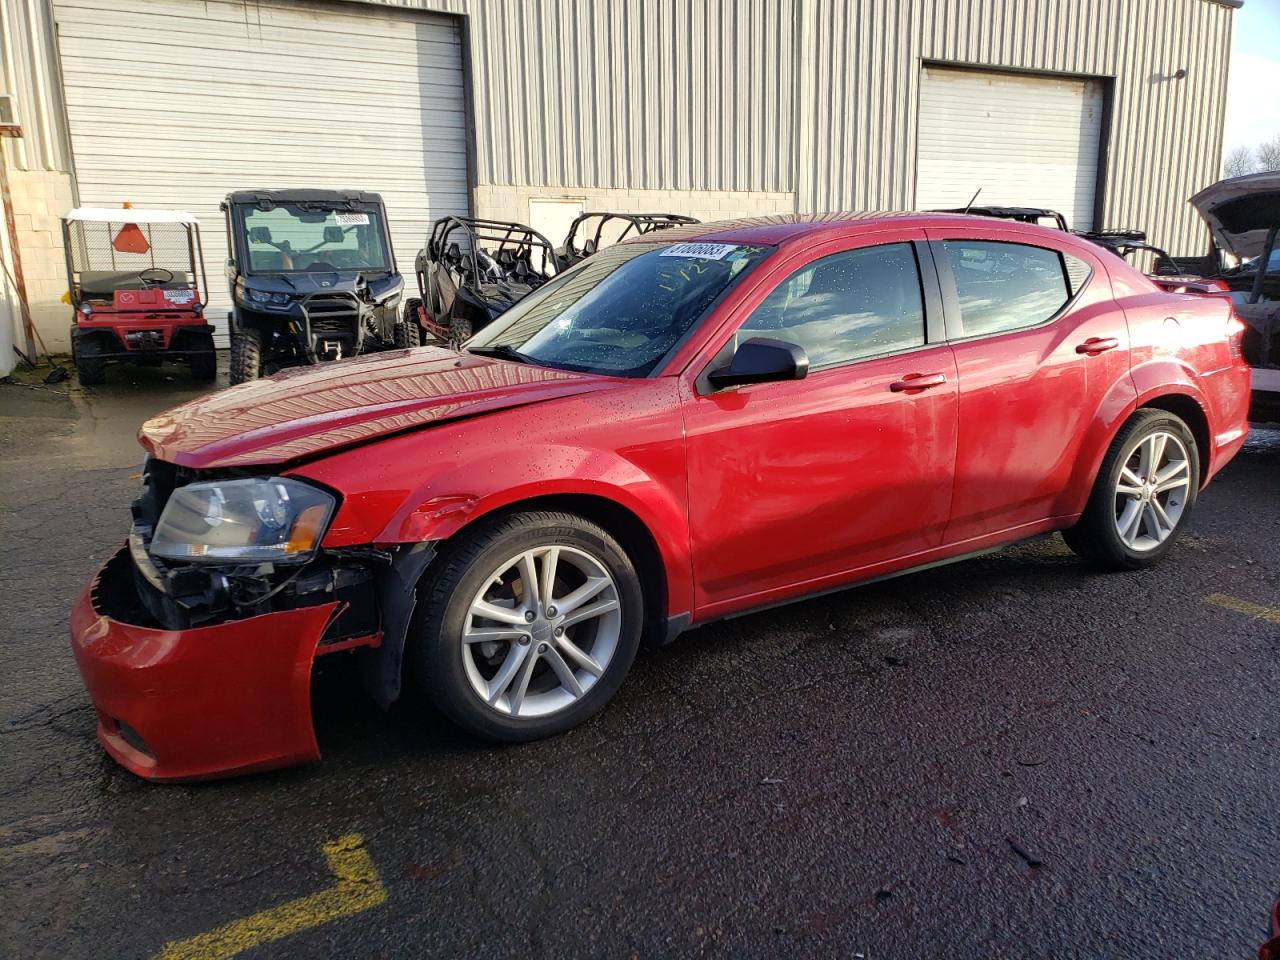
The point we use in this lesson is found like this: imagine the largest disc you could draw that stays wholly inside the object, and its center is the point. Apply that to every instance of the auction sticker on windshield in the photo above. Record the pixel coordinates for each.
(703, 251)
(351, 219)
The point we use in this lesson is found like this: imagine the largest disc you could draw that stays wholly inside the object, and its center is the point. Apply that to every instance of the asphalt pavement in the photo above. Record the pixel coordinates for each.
(1010, 757)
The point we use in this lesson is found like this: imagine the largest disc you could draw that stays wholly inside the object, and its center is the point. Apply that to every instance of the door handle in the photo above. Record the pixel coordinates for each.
(918, 381)
(1096, 345)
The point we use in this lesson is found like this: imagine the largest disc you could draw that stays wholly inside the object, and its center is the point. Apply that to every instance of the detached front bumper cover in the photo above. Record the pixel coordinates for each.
(202, 702)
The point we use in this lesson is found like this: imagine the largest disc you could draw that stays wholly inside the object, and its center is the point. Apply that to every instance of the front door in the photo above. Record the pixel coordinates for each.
(795, 485)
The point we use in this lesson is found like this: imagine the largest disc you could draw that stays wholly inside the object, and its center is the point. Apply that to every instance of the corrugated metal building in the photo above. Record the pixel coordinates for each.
(1111, 110)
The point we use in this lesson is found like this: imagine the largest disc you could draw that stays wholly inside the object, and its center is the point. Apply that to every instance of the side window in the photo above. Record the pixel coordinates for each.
(1005, 286)
(849, 305)
(1078, 272)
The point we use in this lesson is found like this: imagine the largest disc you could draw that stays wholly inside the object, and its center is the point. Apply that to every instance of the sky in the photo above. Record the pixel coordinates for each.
(1253, 85)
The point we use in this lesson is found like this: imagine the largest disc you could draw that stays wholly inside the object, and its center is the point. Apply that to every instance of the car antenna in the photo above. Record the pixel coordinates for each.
(971, 199)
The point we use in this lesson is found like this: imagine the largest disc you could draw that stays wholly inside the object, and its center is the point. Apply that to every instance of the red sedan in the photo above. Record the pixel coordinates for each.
(686, 426)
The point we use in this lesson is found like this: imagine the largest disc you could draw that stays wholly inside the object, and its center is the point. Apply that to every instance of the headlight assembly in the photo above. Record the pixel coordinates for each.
(259, 518)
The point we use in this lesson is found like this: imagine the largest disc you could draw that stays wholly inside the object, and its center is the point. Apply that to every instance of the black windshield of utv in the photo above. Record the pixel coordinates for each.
(307, 238)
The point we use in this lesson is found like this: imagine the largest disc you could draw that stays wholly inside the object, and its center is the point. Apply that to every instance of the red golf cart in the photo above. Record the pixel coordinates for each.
(138, 289)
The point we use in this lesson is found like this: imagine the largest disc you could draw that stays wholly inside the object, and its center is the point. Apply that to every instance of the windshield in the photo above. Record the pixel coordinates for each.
(621, 311)
(293, 238)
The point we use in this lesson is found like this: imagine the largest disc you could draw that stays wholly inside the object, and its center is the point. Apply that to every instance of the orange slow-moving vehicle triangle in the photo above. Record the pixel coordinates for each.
(130, 239)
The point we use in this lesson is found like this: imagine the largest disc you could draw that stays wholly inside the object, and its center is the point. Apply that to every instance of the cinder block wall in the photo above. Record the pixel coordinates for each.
(512, 202)
(40, 197)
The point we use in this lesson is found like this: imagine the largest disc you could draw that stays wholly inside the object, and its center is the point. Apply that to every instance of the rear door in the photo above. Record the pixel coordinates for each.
(793, 485)
(1038, 343)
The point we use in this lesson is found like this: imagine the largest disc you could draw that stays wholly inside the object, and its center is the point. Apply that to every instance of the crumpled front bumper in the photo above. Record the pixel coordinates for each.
(203, 702)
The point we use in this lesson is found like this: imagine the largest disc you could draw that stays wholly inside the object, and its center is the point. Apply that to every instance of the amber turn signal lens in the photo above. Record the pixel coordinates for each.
(306, 529)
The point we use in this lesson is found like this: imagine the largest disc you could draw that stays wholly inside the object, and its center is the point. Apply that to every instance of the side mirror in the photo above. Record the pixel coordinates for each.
(762, 360)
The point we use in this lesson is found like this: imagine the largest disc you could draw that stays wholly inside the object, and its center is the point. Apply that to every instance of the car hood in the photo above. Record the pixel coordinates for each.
(1240, 211)
(307, 411)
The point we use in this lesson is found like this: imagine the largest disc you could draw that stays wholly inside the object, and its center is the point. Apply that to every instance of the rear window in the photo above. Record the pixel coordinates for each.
(1006, 286)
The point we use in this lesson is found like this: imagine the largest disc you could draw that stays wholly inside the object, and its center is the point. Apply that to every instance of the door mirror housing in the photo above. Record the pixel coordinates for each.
(762, 360)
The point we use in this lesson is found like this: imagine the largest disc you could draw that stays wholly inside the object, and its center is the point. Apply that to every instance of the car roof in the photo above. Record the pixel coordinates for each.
(302, 195)
(784, 228)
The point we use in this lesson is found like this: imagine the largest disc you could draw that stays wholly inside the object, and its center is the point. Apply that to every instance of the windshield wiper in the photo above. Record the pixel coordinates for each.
(504, 352)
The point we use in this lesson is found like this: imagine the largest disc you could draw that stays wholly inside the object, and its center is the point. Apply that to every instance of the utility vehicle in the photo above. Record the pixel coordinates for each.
(138, 290)
(591, 232)
(470, 272)
(313, 278)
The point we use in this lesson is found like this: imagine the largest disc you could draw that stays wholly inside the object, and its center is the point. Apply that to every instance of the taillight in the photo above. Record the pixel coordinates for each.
(1235, 335)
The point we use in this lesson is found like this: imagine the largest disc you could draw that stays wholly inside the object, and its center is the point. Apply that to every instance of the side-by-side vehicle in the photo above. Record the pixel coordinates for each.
(690, 425)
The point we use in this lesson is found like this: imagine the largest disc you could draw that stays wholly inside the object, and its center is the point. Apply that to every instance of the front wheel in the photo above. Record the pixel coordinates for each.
(1144, 493)
(528, 627)
(91, 366)
(204, 365)
(407, 331)
(246, 355)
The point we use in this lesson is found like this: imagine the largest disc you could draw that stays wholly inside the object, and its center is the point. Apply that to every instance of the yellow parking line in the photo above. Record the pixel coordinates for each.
(1248, 608)
(358, 888)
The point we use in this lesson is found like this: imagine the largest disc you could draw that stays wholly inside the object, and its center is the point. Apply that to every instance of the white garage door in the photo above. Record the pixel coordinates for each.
(175, 103)
(1025, 141)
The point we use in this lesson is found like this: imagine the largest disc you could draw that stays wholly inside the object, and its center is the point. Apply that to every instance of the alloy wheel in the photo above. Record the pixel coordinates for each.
(541, 632)
(1152, 491)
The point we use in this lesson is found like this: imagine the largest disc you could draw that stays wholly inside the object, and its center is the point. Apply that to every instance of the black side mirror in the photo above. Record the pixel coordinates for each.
(762, 360)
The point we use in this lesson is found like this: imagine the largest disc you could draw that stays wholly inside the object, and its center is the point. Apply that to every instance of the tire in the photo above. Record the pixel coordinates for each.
(246, 355)
(460, 330)
(452, 672)
(91, 366)
(407, 331)
(1118, 529)
(204, 366)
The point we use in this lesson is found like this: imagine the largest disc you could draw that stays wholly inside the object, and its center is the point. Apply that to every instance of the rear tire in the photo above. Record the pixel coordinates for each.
(576, 657)
(1144, 493)
(407, 332)
(460, 330)
(246, 355)
(204, 366)
(91, 366)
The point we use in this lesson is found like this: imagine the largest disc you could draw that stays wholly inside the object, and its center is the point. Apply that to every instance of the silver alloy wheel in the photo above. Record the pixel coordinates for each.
(1152, 491)
(541, 631)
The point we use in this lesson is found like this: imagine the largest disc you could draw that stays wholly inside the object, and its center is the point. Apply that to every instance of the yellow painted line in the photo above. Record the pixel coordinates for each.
(358, 888)
(1247, 607)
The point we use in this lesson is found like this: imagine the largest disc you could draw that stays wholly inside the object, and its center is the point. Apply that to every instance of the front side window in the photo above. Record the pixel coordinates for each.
(304, 238)
(860, 303)
(1005, 286)
(621, 311)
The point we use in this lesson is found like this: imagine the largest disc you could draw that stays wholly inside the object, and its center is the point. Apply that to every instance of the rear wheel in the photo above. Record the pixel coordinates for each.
(204, 365)
(246, 355)
(91, 366)
(1144, 493)
(460, 330)
(528, 626)
(408, 333)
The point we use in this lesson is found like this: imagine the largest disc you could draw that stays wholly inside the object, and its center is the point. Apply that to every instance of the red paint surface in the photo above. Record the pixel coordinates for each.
(752, 496)
(210, 701)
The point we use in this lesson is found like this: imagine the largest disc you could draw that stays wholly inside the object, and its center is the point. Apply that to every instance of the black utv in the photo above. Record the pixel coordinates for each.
(313, 278)
(472, 271)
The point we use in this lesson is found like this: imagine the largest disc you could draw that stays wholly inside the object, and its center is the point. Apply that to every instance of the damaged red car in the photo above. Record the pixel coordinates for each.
(686, 426)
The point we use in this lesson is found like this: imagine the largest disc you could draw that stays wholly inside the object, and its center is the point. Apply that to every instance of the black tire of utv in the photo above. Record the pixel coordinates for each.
(1094, 537)
(246, 355)
(407, 331)
(91, 366)
(445, 594)
(460, 330)
(204, 365)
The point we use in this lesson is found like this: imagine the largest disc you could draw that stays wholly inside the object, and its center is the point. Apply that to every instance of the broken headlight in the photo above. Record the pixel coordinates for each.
(261, 518)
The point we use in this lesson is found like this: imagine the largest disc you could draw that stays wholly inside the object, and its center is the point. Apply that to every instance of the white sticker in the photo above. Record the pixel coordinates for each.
(351, 219)
(703, 251)
(179, 296)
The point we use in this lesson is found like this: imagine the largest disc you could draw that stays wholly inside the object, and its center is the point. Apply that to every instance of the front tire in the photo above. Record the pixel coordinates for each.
(91, 366)
(528, 625)
(204, 365)
(1144, 493)
(246, 355)
(407, 331)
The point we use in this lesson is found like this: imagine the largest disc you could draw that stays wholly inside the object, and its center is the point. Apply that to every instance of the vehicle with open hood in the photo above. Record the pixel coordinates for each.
(686, 426)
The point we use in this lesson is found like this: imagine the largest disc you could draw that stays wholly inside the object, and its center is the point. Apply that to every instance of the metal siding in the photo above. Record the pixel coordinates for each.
(27, 71)
(174, 104)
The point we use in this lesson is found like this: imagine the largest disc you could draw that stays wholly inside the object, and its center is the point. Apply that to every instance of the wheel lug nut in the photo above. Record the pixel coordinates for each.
(529, 616)
(524, 641)
(559, 631)
(551, 611)
(542, 648)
